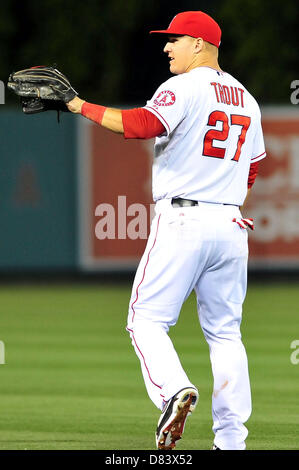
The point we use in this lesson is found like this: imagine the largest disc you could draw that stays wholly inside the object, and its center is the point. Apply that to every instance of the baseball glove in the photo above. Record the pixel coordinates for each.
(41, 89)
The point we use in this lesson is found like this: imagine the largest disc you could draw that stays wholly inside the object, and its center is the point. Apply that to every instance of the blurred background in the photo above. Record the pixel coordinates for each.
(54, 177)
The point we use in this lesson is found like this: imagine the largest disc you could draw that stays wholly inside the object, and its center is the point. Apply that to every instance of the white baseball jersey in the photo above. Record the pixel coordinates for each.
(213, 134)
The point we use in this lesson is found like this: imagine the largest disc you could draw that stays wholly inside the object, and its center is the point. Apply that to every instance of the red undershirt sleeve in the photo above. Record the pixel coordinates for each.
(141, 124)
(252, 173)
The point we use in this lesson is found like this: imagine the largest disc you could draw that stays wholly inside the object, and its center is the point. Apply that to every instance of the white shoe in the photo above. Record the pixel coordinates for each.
(173, 418)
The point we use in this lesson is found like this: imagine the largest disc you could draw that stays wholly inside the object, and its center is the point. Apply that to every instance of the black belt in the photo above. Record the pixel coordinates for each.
(179, 202)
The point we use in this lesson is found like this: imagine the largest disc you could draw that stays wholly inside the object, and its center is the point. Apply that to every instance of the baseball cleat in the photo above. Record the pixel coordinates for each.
(173, 418)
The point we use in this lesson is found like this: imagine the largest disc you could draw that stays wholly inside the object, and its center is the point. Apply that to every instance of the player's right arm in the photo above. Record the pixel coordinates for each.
(253, 171)
(246, 199)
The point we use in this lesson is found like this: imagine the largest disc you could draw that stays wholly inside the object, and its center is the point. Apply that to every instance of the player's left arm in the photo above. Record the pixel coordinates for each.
(111, 118)
(137, 123)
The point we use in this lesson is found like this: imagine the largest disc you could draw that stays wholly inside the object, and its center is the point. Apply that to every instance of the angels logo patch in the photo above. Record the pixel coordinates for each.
(165, 98)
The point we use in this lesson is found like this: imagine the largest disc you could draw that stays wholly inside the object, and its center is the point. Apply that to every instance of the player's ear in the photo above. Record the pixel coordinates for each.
(199, 44)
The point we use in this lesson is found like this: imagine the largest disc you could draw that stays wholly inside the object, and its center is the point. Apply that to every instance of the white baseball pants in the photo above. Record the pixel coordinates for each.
(198, 248)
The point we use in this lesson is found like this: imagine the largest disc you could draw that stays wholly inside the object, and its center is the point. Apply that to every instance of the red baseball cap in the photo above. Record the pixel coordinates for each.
(196, 24)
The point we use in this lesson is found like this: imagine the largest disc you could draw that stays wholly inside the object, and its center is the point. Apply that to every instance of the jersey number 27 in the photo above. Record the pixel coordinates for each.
(209, 149)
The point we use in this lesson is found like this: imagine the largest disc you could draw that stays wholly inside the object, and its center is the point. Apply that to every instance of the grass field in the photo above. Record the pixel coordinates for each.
(72, 380)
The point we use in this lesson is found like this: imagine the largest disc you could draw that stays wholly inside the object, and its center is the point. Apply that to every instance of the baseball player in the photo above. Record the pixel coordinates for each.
(208, 144)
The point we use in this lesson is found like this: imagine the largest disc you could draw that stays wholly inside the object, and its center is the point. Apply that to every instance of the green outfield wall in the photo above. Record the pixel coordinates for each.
(77, 197)
(38, 191)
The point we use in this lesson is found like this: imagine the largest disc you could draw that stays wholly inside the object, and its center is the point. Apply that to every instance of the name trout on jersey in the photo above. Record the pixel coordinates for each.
(228, 95)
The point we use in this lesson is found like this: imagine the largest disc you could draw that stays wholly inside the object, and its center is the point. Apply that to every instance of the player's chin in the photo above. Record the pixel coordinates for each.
(173, 69)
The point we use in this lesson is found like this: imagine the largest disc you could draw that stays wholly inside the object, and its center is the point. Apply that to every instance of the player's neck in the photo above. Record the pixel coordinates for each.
(205, 61)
